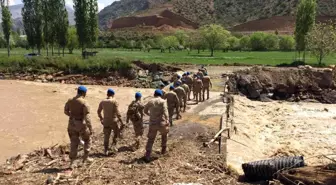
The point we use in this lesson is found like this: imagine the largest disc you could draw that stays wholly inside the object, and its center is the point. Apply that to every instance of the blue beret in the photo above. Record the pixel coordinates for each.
(158, 92)
(188, 73)
(178, 84)
(178, 76)
(138, 95)
(82, 88)
(110, 91)
(171, 87)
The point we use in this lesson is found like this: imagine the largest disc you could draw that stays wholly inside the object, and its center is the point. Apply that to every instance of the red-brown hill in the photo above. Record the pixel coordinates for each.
(283, 24)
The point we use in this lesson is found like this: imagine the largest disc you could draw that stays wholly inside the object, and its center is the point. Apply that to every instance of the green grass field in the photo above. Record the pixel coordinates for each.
(264, 58)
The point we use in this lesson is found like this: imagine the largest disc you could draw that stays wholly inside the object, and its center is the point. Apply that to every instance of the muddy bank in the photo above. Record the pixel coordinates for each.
(139, 75)
(291, 84)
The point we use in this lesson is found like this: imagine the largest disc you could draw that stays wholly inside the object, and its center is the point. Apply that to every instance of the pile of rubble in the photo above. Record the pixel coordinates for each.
(291, 84)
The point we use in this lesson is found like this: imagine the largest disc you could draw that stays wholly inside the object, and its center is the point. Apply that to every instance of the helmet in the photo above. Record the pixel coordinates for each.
(110, 91)
(138, 95)
(158, 92)
(82, 88)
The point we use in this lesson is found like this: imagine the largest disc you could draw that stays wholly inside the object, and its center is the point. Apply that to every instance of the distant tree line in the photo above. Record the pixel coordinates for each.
(46, 24)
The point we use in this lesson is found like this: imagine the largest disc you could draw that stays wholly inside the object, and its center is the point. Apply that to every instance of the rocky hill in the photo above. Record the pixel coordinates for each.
(226, 12)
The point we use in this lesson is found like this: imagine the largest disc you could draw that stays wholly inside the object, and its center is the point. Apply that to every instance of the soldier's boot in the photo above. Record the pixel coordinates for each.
(163, 150)
(106, 151)
(147, 156)
(114, 147)
(86, 158)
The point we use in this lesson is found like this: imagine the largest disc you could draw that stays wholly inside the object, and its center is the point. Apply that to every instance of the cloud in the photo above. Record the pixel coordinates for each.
(101, 6)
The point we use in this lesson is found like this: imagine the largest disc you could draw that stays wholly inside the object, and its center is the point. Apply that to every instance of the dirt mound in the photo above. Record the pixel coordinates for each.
(185, 162)
(292, 84)
(320, 175)
(283, 24)
(166, 17)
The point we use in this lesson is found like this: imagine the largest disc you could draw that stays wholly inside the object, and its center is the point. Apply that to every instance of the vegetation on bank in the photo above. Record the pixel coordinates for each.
(69, 65)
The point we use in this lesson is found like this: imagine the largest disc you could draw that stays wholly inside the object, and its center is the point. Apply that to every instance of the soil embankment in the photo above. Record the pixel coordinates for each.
(291, 84)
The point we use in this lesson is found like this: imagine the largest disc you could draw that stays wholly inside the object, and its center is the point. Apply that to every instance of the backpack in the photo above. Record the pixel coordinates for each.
(133, 112)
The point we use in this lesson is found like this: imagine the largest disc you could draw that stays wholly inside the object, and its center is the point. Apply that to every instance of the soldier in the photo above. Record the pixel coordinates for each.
(173, 104)
(198, 89)
(186, 88)
(194, 85)
(110, 120)
(177, 80)
(162, 86)
(135, 114)
(181, 94)
(79, 112)
(189, 82)
(200, 73)
(157, 111)
(206, 84)
(203, 69)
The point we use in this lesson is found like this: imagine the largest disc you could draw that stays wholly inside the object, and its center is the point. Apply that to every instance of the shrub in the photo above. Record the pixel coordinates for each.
(286, 43)
(271, 42)
(245, 43)
(234, 43)
(257, 41)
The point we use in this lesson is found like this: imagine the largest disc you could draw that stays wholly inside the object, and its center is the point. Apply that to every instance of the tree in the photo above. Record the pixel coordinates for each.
(286, 43)
(32, 21)
(28, 21)
(72, 39)
(169, 42)
(257, 41)
(82, 22)
(245, 43)
(62, 25)
(305, 20)
(214, 35)
(271, 42)
(196, 41)
(6, 24)
(322, 40)
(181, 37)
(93, 21)
(234, 43)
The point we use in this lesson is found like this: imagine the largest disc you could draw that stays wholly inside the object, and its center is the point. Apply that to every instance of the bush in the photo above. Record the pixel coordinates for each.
(234, 43)
(72, 65)
(257, 41)
(286, 43)
(271, 42)
(245, 43)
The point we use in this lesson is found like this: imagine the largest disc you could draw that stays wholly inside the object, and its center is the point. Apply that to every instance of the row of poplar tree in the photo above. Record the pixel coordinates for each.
(46, 23)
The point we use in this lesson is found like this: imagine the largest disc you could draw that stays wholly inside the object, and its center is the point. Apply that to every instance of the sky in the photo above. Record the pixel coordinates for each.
(101, 3)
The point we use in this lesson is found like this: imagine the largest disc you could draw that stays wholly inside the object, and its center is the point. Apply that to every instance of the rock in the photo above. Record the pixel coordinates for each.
(110, 78)
(308, 67)
(49, 78)
(38, 81)
(42, 77)
(44, 81)
(264, 98)
(156, 78)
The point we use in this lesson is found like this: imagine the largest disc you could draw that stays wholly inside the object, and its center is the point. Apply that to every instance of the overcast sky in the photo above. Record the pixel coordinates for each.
(101, 3)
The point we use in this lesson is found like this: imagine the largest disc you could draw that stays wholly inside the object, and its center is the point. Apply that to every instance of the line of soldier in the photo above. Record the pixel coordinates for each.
(160, 110)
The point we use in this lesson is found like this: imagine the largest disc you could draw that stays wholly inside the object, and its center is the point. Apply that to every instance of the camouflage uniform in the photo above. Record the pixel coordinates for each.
(206, 85)
(200, 74)
(182, 96)
(176, 82)
(110, 120)
(194, 86)
(173, 103)
(186, 89)
(203, 70)
(157, 111)
(189, 82)
(198, 90)
(135, 114)
(78, 111)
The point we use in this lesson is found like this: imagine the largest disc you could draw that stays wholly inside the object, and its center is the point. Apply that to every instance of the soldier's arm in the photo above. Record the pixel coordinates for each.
(99, 111)
(118, 113)
(146, 109)
(87, 117)
(67, 108)
(165, 111)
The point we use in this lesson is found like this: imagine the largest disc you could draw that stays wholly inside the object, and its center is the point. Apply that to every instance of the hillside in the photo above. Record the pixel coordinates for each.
(17, 17)
(227, 12)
